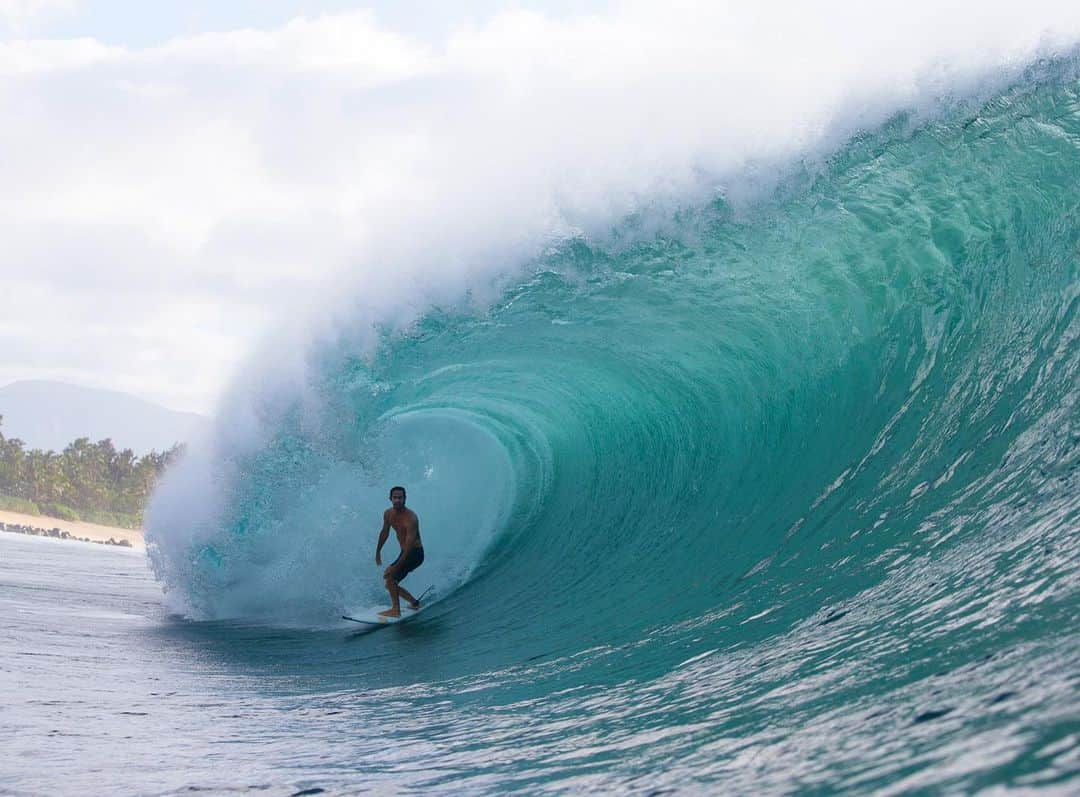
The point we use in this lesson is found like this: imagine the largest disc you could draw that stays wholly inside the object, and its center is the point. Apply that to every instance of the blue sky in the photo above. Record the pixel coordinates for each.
(138, 24)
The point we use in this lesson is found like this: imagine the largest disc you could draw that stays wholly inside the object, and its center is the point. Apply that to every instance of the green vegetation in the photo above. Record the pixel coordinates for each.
(13, 504)
(87, 481)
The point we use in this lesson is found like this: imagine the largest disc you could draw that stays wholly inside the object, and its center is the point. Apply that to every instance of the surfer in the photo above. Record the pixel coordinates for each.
(407, 527)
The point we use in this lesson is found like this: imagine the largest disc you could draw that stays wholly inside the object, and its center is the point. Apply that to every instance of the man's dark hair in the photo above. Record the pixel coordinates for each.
(398, 487)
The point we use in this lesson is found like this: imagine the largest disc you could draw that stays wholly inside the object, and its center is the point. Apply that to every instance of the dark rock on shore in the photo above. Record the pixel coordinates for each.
(33, 531)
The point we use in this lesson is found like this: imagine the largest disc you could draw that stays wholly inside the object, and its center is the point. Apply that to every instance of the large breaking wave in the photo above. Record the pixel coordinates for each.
(728, 409)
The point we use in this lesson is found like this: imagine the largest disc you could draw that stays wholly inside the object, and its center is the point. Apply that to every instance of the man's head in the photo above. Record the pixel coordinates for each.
(397, 497)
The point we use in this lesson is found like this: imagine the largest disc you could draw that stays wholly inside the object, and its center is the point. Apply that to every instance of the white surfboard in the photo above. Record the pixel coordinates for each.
(372, 616)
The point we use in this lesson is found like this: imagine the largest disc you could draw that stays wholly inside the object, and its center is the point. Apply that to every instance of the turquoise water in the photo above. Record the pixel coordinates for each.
(755, 498)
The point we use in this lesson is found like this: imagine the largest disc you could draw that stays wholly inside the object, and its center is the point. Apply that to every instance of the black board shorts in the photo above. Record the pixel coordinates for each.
(401, 568)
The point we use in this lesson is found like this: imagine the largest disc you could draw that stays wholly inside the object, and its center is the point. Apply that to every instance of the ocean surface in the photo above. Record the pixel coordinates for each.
(766, 497)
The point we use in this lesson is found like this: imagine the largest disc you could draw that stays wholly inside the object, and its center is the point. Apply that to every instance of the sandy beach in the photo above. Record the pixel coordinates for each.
(91, 531)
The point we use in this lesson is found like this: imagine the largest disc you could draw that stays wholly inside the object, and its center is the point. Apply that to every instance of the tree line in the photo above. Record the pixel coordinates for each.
(86, 481)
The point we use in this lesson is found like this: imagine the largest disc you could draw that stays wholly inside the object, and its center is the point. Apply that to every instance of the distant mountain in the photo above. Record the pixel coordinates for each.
(49, 415)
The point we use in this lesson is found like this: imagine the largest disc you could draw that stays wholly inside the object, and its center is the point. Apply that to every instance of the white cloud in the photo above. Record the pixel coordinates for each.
(18, 17)
(160, 207)
(350, 42)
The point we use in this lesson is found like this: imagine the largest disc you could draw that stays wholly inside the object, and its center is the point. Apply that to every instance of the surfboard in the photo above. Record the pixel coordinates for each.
(372, 616)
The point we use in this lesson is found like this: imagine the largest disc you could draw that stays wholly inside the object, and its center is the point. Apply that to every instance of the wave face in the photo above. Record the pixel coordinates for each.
(818, 454)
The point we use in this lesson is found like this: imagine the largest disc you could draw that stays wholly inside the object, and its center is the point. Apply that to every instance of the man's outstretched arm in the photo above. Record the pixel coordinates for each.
(383, 535)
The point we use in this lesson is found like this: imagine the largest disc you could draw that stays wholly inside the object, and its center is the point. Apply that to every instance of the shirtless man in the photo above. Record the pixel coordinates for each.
(407, 526)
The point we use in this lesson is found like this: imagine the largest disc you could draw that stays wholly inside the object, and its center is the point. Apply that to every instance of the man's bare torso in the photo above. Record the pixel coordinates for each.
(405, 524)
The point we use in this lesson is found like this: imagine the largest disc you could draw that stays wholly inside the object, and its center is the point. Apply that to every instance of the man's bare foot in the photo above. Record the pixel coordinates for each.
(390, 613)
(415, 606)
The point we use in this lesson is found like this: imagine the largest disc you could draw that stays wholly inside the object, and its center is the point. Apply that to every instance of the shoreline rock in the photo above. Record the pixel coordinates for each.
(34, 531)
